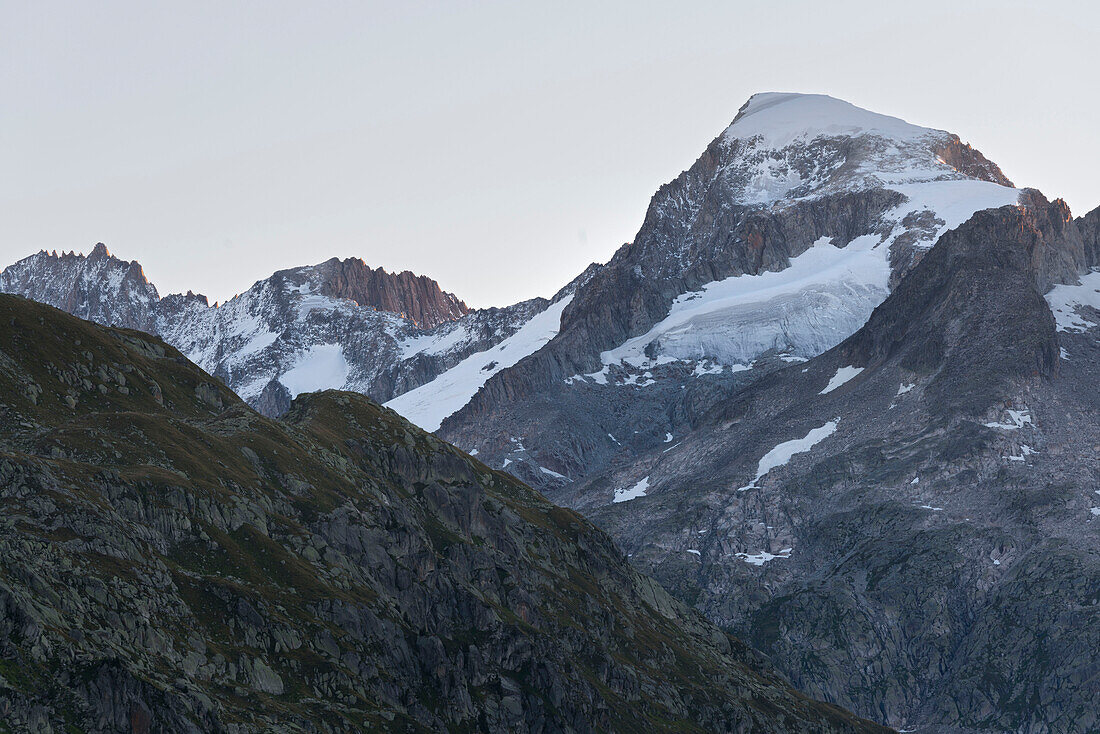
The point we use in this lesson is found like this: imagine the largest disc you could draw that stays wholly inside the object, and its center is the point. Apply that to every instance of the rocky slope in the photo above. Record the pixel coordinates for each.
(339, 324)
(908, 524)
(171, 560)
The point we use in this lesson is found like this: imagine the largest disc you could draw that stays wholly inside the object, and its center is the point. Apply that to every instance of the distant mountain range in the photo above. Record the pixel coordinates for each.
(838, 394)
(337, 324)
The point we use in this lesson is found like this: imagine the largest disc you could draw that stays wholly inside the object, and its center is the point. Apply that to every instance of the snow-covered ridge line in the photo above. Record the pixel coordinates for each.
(331, 325)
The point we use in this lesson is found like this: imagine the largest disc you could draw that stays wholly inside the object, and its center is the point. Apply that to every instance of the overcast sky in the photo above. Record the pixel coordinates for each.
(498, 147)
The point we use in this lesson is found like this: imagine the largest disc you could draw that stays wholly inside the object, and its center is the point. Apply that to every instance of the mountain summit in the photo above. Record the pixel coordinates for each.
(777, 132)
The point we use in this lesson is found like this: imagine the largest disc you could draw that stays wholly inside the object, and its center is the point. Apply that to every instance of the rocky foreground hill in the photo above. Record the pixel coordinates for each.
(173, 561)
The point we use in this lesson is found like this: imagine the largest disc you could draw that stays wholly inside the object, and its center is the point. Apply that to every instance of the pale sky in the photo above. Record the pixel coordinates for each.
(498, 147)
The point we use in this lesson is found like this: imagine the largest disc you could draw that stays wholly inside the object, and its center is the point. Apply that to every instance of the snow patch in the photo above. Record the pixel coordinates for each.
(600, 378)
(321, 367)
(782, 453)
(759, 559)
(702, 368)
(1064, 300)
(638, 490)
(951, 201)
(437, 342)
(843, 374)
(1018, 418)
(257, 343)
(642, 380)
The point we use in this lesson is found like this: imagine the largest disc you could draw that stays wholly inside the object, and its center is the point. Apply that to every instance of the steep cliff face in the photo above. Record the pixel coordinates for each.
(416, 297)
(917, 504)
(175, 562)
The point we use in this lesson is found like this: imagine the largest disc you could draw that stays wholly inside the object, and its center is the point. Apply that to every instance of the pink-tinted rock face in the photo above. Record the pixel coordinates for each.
(416, 297)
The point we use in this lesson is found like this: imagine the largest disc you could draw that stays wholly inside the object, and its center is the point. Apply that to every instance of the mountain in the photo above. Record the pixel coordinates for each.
(339, 324)
(173, 561)
(99, 287)
(416, 297)
(773, 247)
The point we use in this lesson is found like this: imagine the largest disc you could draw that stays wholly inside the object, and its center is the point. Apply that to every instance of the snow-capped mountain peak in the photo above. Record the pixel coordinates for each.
(780, 118)
(775, 245)
(784, 147)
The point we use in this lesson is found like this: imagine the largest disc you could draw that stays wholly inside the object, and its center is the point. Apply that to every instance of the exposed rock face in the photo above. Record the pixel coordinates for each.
(416, 297)
(175, 562)
(339, 324)
(920, 541)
